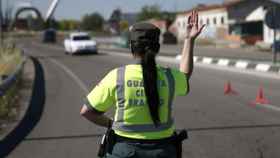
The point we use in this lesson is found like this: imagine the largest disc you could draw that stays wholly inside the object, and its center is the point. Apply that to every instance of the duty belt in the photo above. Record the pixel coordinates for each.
(177, 137)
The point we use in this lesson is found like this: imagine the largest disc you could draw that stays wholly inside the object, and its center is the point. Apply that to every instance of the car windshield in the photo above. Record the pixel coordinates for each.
(81, 38)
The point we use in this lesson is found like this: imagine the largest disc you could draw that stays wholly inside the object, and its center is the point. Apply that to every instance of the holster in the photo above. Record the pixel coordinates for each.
(180, 136)
(107, 143)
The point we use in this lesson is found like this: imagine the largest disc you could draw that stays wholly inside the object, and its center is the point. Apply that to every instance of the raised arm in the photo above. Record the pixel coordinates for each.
(193, 31)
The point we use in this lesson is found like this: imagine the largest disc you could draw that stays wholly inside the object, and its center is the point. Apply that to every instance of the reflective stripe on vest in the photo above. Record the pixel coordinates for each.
(120, 93)
(171, 87)
(119, 122)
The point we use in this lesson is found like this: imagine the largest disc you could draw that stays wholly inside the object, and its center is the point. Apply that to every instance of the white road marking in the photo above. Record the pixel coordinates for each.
(207, 60)
(241, 71)
(268, 106)
(178, 57)
(223, 62)
(71, 74)
(241, 64)
(195, 59)
(68, 71)
(262, 67)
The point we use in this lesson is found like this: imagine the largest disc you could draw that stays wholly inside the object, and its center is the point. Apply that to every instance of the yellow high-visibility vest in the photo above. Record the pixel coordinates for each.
(124, 88)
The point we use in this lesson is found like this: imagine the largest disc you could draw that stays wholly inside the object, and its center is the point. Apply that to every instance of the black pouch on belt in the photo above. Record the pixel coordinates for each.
(107, 143)
(180, 136)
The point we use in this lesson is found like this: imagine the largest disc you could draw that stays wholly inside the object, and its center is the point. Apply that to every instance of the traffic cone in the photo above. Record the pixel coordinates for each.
(260, 99)
(228, 89)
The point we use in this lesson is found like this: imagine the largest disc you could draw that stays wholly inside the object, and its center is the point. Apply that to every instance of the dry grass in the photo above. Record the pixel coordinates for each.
(10, 59)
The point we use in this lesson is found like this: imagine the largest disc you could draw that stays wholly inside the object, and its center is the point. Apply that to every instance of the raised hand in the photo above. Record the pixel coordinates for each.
(193, 28)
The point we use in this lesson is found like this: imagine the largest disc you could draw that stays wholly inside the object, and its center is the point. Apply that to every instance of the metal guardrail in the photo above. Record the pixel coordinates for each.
(11, 79)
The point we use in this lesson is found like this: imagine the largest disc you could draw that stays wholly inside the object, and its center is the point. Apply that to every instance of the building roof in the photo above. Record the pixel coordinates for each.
(204, 7)
(226, 4)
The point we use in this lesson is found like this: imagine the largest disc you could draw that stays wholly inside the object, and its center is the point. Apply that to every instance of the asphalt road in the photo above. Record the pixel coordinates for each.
(219, 126)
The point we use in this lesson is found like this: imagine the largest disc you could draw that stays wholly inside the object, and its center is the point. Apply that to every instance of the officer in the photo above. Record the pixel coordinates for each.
(143, 95)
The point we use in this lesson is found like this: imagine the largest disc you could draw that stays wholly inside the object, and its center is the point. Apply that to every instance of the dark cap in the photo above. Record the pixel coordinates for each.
(144, 31)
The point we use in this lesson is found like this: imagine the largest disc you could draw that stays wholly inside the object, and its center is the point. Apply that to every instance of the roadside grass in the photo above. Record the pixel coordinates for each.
(23, 34)
(10, 58)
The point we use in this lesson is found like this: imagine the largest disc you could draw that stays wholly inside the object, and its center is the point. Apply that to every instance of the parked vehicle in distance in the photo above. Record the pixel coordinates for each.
(49, 36)
(80, 42)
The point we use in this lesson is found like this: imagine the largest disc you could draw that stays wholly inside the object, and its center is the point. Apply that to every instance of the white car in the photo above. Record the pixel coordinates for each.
(79, 42)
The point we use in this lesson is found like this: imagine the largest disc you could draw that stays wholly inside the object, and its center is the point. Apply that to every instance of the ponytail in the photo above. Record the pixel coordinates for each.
(144, 40)
(150, 77)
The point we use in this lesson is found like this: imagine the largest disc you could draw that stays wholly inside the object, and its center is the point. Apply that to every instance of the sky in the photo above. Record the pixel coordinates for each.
(75, 9)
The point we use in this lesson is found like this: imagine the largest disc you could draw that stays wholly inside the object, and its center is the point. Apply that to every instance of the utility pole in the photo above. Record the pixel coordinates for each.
(274, 50)
(271, 20)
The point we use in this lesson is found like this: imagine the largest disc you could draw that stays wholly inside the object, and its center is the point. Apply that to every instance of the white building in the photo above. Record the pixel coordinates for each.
(236, 20)
(259, 15)
(214, 16)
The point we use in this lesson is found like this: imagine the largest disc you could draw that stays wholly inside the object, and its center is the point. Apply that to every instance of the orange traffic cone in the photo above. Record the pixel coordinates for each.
(260, 99)
(228, 89)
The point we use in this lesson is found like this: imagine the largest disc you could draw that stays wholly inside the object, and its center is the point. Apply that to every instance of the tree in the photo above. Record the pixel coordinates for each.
(168, 17)
(66, 25)
(116, 15)
(93, 22)
(149, 12)
(115, 20)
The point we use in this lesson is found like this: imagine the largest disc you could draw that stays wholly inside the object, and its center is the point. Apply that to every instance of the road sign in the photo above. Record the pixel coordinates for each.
(272, 18)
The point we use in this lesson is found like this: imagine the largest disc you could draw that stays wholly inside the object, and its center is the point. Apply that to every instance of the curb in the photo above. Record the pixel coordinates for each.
(224, 62)
(239, 64)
